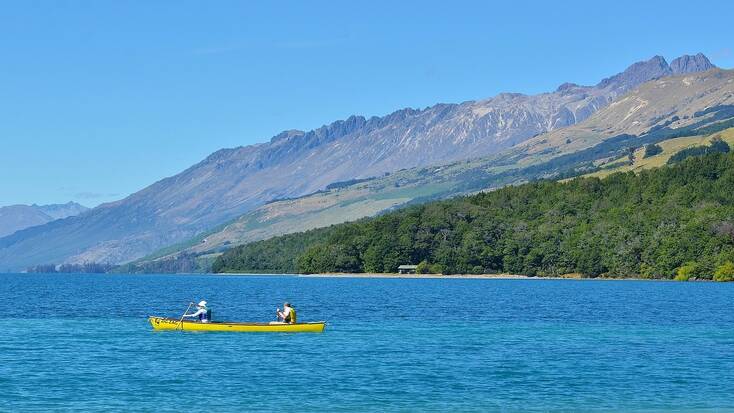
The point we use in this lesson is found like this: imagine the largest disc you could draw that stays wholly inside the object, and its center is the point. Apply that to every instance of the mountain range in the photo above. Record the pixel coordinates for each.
(231, 182)
(669, 110)
(17, 217)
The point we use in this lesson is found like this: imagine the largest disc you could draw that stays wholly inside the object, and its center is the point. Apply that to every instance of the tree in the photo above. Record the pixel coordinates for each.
(436, 269)
(630, 155)
(719, 145)
(423, 268)
(652, 150)
(724, 272)
(686, 271)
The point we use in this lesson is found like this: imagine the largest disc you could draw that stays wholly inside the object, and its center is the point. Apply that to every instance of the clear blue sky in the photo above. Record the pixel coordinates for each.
(99, 99)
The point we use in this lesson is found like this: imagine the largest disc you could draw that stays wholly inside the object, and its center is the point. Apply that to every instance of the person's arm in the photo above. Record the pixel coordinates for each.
(283, 314)
(196, 314)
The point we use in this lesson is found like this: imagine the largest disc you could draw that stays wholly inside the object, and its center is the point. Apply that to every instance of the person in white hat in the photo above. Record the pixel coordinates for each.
(204, 313)
(288, 315)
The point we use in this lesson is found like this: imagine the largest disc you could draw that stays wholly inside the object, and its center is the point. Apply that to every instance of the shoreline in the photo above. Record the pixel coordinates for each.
(570, 277)
(452, 276)
(427, 276)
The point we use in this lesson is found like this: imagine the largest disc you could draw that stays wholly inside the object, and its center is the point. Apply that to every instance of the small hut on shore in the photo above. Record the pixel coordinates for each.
(407, 269)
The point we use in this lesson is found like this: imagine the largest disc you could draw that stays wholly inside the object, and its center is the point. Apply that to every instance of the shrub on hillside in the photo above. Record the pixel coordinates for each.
(423, 268)
(724, 272)
(436, 269)
(652, 150)
(686, 271)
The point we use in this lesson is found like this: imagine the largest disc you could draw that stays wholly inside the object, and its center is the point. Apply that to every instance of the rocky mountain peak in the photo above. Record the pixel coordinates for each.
(285, 135)
(638, 73)
(566, 86)
(691, 64)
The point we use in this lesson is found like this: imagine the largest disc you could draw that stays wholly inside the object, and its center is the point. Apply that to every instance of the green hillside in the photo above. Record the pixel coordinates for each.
(650, 224)
(669, 148)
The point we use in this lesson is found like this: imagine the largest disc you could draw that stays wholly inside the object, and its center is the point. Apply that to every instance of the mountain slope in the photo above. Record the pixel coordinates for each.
(233, 181)
(17, 217)
(669, 148)
(626, 225)
(60, 211)
(686, 105)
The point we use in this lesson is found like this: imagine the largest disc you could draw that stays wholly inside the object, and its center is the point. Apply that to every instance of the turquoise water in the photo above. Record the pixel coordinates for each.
(82, 342)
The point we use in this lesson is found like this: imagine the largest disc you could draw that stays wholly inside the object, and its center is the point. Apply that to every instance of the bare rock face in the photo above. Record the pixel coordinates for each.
(233, 181)
(638, 73)
(690, 64)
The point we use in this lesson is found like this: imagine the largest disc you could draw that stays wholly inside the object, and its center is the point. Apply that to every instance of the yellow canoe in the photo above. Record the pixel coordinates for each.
(163, 323)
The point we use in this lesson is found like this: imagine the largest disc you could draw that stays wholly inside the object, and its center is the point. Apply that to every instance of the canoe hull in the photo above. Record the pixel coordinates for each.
(163, 323)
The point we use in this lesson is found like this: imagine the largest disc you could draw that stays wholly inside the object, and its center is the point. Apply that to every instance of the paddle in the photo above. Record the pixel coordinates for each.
(180, 322)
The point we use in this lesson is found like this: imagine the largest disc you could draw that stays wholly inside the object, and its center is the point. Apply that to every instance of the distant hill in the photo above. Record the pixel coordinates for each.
(675, 220)
(696, 106)
(17, 217)
(231, 182)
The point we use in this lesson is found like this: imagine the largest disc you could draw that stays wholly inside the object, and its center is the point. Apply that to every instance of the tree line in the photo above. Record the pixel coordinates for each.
(86, 268)
(718, 145)
(661, 223)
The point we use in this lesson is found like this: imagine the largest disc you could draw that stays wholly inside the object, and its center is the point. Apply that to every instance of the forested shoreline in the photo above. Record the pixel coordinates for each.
(675, 221)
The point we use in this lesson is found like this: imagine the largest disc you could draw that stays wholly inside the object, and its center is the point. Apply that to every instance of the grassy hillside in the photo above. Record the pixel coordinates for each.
(656, 223)
(670, 147)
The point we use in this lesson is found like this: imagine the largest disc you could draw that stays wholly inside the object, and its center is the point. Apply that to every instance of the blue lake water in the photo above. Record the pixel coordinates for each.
(82, 342)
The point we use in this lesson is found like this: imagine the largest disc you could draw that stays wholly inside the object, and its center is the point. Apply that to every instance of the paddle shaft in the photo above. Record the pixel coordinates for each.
(180, 322)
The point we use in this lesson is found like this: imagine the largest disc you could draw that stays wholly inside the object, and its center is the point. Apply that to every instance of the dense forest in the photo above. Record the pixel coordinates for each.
(675, 221)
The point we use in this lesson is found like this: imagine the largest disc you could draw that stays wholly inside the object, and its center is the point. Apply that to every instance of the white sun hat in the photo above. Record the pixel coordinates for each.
(202, 303)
